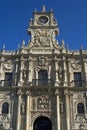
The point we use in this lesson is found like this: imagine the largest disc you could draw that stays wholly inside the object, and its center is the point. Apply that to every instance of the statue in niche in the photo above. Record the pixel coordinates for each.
(61, 107)
(24, 73)
(42, 61)
(60, 72)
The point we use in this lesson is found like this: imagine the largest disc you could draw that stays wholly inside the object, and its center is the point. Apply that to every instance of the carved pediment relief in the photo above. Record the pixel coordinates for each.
(76, 65)
(8, 65)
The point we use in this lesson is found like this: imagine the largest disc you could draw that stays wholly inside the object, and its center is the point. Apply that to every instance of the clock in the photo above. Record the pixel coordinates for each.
(43, 19)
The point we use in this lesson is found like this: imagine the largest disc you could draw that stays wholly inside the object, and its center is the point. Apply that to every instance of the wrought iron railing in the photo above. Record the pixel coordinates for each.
(42, 82)
(78, 83)
(6, 83)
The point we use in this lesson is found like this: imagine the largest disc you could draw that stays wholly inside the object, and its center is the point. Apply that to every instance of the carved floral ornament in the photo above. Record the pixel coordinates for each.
(76, 65)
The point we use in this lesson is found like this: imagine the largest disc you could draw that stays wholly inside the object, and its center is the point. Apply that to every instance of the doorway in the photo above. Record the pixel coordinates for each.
(42, 123)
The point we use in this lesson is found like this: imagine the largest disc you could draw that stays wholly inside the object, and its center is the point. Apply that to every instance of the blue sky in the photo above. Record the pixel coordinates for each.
(70, 14)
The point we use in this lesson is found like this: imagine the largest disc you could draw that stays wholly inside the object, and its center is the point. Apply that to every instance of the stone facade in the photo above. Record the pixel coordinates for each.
(43, 83)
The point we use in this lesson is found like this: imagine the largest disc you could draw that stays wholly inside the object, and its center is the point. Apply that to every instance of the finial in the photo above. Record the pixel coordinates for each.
(63, 43)
(18, 47)
(3, 47)
(43, 8)
(35, 10)
(67, 47)
(81, 47)
(23, 43)
(51, 10)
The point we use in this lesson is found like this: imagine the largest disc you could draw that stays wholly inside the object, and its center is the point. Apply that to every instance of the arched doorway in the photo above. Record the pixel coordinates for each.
(43, 77)
(42, 123)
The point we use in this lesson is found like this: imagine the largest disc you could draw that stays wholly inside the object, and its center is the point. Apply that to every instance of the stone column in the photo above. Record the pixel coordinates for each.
(56, 68)
(67, 109)
(29, 81)
(1, 72)
(58, 108)
(65, 73)
(70, 75)
(15, 70)
(49, 75)
(36, 78)
(21, 72)
(19, 93)
(86, 105)
(85, 73)
(28, 110)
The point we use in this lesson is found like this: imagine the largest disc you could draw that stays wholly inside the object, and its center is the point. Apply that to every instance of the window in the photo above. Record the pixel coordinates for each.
(42, 77)
(77, 79)
(8, 79)
(5, 108)
(80, 108)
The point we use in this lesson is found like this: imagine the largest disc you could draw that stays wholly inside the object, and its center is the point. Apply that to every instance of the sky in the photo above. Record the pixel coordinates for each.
(71, 16)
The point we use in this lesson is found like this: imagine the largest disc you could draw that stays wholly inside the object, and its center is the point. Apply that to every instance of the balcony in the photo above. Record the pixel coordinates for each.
(78, 83)
(39, 82)
(6, 83)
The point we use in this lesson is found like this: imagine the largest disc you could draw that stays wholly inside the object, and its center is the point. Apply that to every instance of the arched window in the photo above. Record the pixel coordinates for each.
(5, 108)
(80, 108)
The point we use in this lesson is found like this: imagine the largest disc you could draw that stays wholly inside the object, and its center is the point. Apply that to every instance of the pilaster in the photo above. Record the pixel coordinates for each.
(19, 93)
(29, 81)
(21, 72)
(56, 68)
(85, 70)
(67, 109)
(28, 110)
(58, 108)
(65, 73)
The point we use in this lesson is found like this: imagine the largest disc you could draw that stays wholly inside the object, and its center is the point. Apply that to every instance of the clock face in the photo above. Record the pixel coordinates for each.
(43, 20)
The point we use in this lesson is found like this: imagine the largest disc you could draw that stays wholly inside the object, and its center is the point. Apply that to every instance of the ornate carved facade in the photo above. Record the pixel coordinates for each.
(43, 83)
